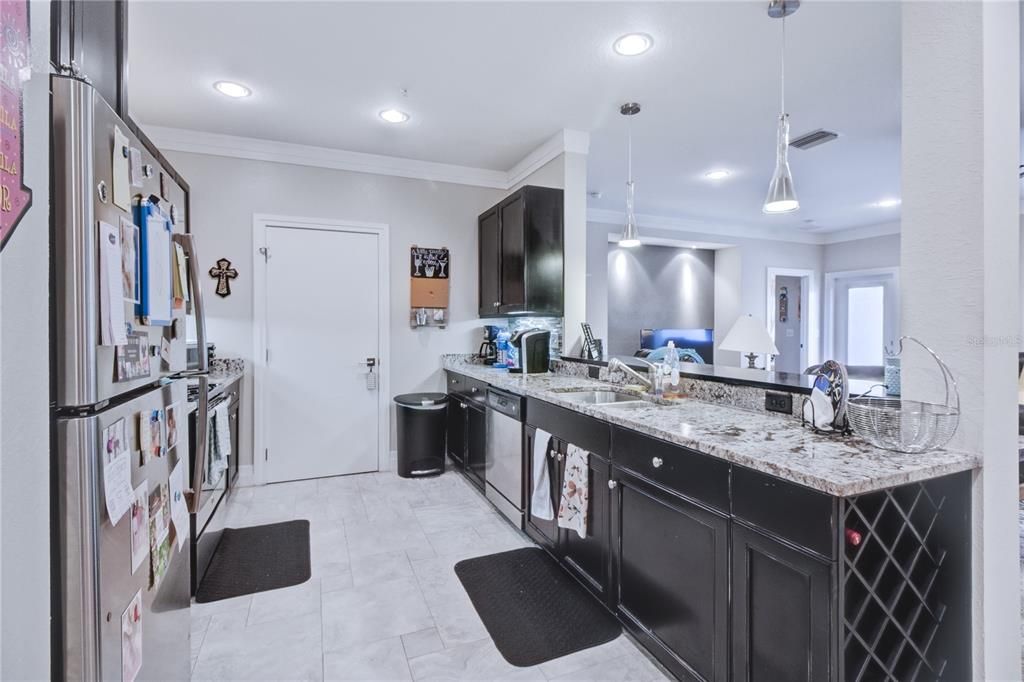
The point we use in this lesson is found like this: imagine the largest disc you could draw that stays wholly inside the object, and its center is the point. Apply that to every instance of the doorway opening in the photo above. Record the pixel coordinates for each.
(792, 317)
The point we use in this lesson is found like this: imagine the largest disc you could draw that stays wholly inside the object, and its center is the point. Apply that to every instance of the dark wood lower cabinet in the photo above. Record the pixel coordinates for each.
(781, 612)
(588, 557)
(476, 443)
(671, 566)
(456, 430)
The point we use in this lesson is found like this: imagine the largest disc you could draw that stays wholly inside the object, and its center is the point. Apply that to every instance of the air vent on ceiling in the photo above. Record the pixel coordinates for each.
(813, 139)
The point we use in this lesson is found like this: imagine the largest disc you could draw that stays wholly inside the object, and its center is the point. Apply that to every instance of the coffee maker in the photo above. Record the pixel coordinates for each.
(489, 349)
(534, 346)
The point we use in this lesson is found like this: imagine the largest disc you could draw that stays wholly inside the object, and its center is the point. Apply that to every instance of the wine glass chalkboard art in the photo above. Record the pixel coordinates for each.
(429, 271)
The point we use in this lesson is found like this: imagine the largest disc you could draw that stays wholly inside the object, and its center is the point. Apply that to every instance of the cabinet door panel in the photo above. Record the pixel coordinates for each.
(588, 557)
(456, 430)
(542, 531)
(781, 611)
(476, 443)
(489, 263)
(672, 566)
(513, 253)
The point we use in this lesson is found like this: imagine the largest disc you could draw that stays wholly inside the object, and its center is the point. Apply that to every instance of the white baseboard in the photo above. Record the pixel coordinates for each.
(246, 476)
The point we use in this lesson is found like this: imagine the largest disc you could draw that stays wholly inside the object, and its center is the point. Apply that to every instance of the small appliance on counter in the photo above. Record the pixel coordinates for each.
(534, 354)
(489, 348)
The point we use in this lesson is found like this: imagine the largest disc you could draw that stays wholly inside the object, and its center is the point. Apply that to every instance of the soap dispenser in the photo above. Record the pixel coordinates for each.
(672, 382)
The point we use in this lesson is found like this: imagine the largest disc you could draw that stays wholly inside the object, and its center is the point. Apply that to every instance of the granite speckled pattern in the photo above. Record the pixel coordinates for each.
(773, 444)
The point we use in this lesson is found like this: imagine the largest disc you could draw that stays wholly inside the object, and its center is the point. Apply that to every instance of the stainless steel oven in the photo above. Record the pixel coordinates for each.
(209, 521)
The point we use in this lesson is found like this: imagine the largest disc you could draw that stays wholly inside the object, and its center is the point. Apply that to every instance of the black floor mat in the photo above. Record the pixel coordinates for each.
(257, 559)
(532, 609)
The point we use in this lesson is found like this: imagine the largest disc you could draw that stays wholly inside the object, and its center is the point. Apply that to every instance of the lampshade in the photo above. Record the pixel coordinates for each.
(749, 335)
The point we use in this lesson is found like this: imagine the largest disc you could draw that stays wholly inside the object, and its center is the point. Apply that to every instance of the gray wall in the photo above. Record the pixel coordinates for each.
(226, 192)
(657, 287)
(25, 415)
(862, 254)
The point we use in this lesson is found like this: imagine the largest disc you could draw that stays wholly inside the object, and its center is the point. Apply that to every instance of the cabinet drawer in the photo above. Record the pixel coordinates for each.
(585, 432)
(456, 383)
(792, 512)
(684, 471)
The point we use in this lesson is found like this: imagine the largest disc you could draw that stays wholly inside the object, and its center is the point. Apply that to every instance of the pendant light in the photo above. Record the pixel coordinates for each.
(781, 193)
(630, 234)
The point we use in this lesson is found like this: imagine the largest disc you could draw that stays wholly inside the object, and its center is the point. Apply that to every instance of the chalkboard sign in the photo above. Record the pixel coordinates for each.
(429, 263)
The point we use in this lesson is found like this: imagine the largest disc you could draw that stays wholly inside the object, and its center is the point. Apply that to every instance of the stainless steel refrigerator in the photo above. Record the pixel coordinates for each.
(97, 384)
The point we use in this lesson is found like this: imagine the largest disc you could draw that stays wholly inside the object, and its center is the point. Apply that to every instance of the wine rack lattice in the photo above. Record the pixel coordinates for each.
(892, 610)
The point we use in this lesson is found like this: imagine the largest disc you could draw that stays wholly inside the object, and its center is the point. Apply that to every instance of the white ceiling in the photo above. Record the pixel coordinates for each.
(490, 81)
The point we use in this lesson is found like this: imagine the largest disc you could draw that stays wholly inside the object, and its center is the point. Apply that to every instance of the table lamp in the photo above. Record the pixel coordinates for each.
(749, 335)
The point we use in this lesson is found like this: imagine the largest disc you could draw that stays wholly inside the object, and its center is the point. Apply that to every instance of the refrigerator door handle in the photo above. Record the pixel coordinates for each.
(187, 242)
(202, 443)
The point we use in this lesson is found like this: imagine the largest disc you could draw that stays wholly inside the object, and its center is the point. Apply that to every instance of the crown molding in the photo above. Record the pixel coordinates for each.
(864, 232)
(596, 215)
(233, 146)
(690, 225)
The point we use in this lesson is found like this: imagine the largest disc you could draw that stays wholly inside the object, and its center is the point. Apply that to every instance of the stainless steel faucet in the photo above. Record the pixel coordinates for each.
(650, 381)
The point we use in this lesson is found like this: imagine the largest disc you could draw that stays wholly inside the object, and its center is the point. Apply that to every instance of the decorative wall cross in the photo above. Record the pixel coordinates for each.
(223, 273)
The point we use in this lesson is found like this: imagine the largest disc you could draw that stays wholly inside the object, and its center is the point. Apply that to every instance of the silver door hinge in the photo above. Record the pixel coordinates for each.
(266, 454)
(268, 356)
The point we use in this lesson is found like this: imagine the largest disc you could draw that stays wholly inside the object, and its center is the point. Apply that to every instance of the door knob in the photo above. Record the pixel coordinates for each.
(657, 462)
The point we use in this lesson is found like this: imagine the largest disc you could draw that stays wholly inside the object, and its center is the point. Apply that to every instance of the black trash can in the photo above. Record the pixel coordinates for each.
(421, 433)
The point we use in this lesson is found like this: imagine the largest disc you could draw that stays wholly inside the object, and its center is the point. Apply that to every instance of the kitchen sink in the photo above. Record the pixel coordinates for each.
(600, 397)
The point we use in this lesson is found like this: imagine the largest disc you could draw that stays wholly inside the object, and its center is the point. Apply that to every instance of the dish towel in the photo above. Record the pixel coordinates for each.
(572, 509)
(220, 443)
(540, 501)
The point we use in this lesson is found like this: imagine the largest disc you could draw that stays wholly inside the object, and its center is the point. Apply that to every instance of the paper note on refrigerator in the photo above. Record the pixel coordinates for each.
(180, 281)
(179, 510)
(131, 639)
(112, 323)
(140, 525)
(158, 270)
(117, 471)
(121, 168)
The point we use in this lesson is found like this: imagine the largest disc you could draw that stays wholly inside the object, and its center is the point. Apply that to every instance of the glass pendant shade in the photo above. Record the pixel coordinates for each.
(630, 235)
(781, 193)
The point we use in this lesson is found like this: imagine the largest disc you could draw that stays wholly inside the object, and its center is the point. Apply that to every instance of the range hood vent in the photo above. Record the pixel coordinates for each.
(813, 139)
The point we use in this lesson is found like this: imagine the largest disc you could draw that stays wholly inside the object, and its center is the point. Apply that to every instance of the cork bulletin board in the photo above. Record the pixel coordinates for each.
(428, 295)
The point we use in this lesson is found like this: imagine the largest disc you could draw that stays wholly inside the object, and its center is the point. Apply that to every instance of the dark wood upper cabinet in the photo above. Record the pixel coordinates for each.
(90, 36)
(521, 262)
(490, 263)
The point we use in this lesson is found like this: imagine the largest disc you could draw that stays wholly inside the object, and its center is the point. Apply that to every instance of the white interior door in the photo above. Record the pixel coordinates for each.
(322, 324)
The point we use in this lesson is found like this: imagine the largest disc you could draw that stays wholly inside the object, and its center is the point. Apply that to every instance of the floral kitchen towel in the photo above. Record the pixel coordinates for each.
(572, 509)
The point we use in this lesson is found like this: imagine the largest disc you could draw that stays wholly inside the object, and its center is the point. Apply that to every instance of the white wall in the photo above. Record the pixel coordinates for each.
(226, 192)
(25, 416)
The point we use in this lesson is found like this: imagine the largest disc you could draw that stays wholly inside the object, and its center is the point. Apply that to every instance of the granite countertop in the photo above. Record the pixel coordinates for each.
(773, 444)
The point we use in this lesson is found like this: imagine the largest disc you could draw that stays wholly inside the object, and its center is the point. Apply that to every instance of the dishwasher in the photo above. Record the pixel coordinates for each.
(503, 455)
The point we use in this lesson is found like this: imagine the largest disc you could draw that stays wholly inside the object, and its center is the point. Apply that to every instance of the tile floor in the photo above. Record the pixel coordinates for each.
(384, 602)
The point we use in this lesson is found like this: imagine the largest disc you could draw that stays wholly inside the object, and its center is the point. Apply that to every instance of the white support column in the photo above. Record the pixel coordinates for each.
(575, 248)
(960, 264)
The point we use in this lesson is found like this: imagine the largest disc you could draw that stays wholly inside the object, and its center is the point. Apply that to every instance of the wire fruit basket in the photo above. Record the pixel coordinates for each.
(909, 426)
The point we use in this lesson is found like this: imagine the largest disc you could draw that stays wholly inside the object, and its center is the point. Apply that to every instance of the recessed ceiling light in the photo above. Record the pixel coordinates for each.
(717, 174)
(394, 116)
(232, 89)
(887, 203)
(633, 44)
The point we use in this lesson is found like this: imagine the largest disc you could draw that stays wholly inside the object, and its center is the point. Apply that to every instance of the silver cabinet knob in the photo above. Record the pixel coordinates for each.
(657, 462)
(612, 485)
(497, 304)
(463, 405)
(474, 389)
(559, 456)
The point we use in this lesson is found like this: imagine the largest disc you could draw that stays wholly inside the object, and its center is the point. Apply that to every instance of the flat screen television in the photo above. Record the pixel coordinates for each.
(700, 340)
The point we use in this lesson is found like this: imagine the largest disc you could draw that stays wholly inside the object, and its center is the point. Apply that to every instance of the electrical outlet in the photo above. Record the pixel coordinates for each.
(778, 402)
